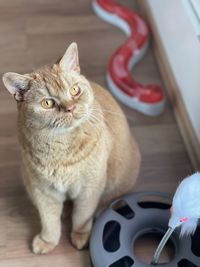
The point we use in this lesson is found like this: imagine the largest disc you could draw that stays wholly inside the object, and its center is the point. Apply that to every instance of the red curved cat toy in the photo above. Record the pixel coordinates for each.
(148, 99)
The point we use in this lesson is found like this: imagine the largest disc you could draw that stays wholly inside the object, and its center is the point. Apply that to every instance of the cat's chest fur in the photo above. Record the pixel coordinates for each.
(65, 164)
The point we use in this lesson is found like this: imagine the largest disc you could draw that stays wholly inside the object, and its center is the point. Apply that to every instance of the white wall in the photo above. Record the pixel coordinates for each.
(182, 48)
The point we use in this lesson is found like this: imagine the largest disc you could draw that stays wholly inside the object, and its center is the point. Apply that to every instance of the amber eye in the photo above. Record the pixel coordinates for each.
(74, 90)
(47, 103)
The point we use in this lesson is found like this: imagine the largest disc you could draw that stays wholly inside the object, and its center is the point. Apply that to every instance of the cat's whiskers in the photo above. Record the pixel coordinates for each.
(94, 115)
(113, 112)
(104, 117)
(94, 118)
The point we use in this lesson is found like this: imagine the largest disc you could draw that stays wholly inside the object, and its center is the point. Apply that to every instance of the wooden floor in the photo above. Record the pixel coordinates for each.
(33, 33)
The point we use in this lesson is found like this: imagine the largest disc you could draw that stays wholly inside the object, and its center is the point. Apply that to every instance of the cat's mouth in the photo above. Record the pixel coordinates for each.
(68, 121)
(63, 122)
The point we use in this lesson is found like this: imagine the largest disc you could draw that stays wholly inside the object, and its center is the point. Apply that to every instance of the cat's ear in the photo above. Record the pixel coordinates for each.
(16, 84)
(70, 60)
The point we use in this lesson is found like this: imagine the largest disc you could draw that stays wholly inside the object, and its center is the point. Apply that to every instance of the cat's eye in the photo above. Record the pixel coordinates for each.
(75, 90)
(47, 103)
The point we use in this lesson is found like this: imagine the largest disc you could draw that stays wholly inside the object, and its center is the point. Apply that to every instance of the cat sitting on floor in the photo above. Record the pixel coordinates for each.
(75, 144)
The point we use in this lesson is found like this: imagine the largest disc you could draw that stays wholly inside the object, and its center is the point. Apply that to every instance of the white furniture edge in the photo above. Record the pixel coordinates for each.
(178, 53)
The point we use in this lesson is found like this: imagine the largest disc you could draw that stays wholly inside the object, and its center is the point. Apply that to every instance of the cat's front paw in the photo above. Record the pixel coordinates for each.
(40, 246)
(80, 240)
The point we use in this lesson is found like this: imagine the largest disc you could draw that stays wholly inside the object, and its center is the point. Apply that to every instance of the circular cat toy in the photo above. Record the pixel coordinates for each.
(148, 99)
(116, 230)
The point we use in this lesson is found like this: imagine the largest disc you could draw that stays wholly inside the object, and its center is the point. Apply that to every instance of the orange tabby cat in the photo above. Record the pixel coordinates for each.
(75, 144)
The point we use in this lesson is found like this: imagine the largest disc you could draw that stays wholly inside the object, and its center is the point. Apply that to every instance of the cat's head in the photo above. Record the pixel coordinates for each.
(54, 97)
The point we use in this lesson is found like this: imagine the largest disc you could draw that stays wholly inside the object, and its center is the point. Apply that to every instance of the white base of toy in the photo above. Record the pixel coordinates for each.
(111, 18)
(132, 102)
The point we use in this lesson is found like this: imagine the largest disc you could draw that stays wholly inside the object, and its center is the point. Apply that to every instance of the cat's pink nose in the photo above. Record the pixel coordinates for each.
(70, 108)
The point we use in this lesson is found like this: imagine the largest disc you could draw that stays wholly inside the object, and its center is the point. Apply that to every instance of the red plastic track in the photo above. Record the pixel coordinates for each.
(119, 63)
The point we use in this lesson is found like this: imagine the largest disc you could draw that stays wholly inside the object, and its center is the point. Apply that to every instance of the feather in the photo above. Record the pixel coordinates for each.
(188, 228)
(186, 205)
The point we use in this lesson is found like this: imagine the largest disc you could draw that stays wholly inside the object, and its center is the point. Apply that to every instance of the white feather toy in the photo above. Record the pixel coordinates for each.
(185, 211)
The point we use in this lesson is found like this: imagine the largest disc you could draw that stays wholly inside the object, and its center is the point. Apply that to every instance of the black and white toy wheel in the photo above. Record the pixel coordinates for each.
(117, 229)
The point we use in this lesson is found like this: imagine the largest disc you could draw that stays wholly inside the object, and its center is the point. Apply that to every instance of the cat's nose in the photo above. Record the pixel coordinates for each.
(70, 108)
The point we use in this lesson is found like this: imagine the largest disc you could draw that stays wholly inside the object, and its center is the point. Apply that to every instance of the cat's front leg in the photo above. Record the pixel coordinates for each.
(50, 210)
(82, 218)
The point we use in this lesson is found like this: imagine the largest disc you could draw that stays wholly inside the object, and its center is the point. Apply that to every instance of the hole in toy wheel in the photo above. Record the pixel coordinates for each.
(146, 244)
(123, 262)
(111, 234)
(195, 242)
(154, 205)
(123, 209)
(186, 263)
(149, 201)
